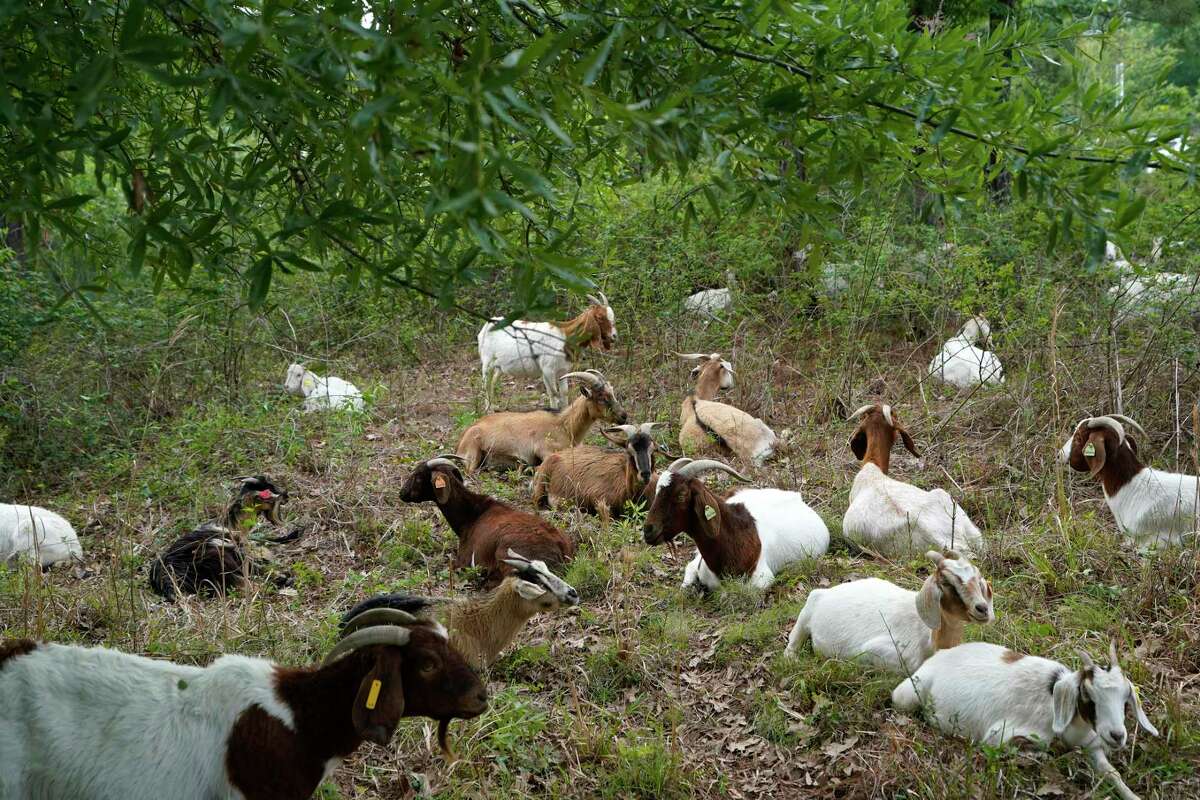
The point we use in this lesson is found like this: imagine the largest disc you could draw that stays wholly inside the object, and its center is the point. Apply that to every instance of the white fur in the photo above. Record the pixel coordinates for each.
(36, 534)
(971, 692)
(896, 518)
(707, 302)
(95, 723)
(747, 436)
(879, 622)
(322, 393)
(960, 363)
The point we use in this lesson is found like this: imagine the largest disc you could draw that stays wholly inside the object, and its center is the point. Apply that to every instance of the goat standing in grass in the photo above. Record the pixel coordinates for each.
(990, 694)
(512, 438)
(598, 479)
(480, 628)
(752, 533)
(487, 528)
(544, 349)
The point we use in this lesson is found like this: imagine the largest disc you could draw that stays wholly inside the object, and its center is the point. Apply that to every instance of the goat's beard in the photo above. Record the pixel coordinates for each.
(444, 739)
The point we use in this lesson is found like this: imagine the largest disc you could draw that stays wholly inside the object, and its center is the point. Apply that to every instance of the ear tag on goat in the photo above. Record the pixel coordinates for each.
(439, 481)
(373, 695)
(1089, 449)
(709, 512)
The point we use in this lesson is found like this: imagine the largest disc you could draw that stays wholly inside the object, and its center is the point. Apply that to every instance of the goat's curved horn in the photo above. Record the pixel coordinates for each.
(648, 427)
(1112, 653)
(1111, 424)
(603, 299)
(706, 465)
(1131, 423)
(692, 356)
(441, 461)
(514, 554)
(384, 617)
(887, 414)
(1086, 659)
(377, 634)
(584, 376)
(679, 464)
(629, 430)
(862, 411)
(593, 299)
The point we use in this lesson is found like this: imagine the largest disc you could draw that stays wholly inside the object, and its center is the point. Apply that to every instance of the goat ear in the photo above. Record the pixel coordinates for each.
(1135, 702)
(858, 443)
(379, 704)
(708, 517)
(529, 591)
(906, 437)
(1129, 440)
(929, 602)
(1066, 701)
(441, 486)
(1095, 444)
(617, 440)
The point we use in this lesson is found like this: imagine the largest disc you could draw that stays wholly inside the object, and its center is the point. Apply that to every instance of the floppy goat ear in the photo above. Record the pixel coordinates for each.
(929, 602)
(1066, 700)
(906, 437)
(858, 443)
(1135, 703)
(441, 486)
(529, 591)
(379, 704)
(1095, 445)
(708, 516)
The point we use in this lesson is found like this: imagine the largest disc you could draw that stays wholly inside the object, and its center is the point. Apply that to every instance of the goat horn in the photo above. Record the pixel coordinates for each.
(648, 427)
(935, 557)
(584, 376)
(514, 554)
(1112, 652)
(387, 634)
(705, 465)
(629, 430)
(1131, 423)
(385, 617)
(887, 414)
(1086, 659)
(594, 300)
(679, 464)
(691, 356)
(862, 410)
(1111, 424)
(604, 299)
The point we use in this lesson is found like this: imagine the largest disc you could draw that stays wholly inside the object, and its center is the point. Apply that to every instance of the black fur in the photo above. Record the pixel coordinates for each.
(206, 561)
(408, 603)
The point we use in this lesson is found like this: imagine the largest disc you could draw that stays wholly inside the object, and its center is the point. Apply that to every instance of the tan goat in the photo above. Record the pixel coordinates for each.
(598, 479)
(510, 438)
(706, 426)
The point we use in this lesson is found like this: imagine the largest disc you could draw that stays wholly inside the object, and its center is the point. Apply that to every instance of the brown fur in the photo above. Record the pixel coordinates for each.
(529, 437)
(873, 439)
(266, 760)
(481, 629)
(1114, 465)
(1085, 708)
(1012, 657)
(591, 329)
(694, 438)
(708, 382)
(728, 542)
(13, 648)
(595, 479)
(487, 528)
(954, 611)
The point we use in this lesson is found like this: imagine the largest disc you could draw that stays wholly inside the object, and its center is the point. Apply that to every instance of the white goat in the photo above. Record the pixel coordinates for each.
(543, 349)
(989, 694)
(707, 302)
(322, 393)
(752, 533)
(36, 534)
(960, 363)
(890, 627)
(892, 517)
(1150, 506)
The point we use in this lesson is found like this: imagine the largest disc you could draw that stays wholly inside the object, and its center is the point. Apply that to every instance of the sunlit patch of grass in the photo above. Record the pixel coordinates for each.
(609, 672)
(590, 575)
(646, 768)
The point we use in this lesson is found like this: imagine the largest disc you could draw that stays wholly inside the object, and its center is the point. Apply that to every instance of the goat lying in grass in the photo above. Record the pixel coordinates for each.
(80, 723)
(322, 393)
(481, 628)
(990, 694)
(512, 438)
(962, 364)
(598, 479)
(216, 557)
(890, 627)
(487, 528)
(752, 533)
(31, 532)
(705, 425)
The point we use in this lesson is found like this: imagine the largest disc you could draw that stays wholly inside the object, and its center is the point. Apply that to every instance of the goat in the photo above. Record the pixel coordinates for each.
(214, 558)
(960, 363)
(34, 533)
(322, 393)
(81, 722)
(547, 349)
(707, 301)
(527, 437)
(597, 479)
(705, 425)
(481, 628)
(1150, 506)
(752, 533)
(990, 694)
(487, 528)
(892, 517)
(890, 627)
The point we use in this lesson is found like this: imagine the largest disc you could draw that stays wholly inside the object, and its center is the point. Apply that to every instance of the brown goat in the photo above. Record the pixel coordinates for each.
(487, 528)
(706, 426)
(711, 375)
(510, 438)
(598, 479)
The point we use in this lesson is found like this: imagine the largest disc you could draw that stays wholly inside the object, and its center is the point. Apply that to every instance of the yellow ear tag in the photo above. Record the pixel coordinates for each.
(373, 695)
(709, 512)
(1089, 449)
(439, 481)
(308, 383)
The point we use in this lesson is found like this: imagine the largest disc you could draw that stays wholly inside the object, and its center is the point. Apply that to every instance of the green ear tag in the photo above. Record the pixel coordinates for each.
(1089, 449)
(709, 512)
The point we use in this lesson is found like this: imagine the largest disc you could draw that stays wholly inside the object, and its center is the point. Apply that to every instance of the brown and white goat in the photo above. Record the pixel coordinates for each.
(598, 479)
(93, 722)
(481, 627)
(487, 528)
(547, 349)
(708, 426)
(511, 438)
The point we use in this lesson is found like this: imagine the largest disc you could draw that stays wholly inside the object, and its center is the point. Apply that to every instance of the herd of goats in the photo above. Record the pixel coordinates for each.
(97, 723)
